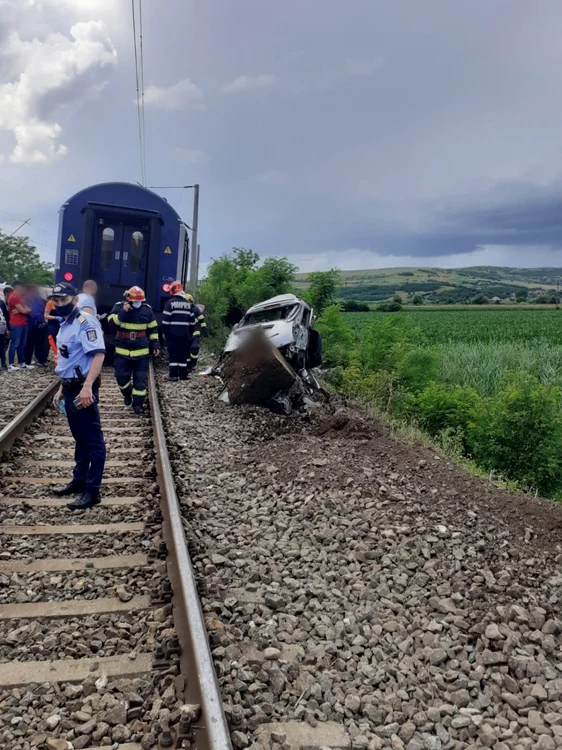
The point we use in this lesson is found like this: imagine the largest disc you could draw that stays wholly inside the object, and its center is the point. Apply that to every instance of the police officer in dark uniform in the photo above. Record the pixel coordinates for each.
(135, 338)
(81, 352)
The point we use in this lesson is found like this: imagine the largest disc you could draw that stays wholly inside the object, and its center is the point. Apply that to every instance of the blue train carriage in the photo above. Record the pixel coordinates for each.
(121, 235)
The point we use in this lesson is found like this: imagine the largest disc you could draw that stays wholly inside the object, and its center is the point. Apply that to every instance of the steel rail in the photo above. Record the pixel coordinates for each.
(196, 659)
(26, 416)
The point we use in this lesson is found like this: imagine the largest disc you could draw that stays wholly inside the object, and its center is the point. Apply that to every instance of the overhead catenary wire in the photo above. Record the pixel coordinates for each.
(140, 97)
(142, 90)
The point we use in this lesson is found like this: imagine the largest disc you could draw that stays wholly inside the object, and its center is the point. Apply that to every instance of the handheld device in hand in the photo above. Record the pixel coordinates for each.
(60, 406)
(77, 403)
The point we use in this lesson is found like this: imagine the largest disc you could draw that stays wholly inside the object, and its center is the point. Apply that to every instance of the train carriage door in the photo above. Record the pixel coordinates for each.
(107, 255)
(133, 260)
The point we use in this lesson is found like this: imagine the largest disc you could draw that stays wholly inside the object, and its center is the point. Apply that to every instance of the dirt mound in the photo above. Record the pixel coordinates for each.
(345, 424)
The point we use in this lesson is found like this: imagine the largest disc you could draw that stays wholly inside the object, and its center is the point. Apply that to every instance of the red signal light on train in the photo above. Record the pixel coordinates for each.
(68, 276)
(166, 288)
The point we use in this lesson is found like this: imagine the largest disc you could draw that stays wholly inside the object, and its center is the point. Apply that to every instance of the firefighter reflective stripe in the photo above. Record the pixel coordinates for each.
(132, 352)
(113, 318)
(132, 326)
(194, 356)
(153, 337)
(152, 324)
(136, 392)
(197, 333)
(127, 385)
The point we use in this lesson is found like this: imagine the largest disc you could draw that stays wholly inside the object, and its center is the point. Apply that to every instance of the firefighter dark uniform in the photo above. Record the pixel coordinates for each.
(179, 324)
(135, 338)
(200, 329)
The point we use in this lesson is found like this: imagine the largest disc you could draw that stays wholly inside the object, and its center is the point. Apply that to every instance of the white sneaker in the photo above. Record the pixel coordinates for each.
(29, 367)
(13, 368)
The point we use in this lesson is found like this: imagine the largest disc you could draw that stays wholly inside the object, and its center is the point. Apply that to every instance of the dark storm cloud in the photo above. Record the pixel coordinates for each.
(405, 129)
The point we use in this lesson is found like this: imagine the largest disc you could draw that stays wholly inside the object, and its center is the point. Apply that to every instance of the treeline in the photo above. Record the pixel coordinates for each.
(237, 281)
(516, 432)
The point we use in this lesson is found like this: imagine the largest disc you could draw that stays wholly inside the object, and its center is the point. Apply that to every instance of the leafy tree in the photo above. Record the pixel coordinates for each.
(418, 299)
(522, 295)
(235, 282)
(352, 305)
(19, 259)
(389, 307)
(322, 288)
(480, 299)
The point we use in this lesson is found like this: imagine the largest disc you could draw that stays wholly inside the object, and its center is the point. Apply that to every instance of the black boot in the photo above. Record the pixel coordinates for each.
(72, 488)
(87, 500)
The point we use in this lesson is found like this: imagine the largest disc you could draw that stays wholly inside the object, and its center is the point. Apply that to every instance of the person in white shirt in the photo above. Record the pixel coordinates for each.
(87, 297)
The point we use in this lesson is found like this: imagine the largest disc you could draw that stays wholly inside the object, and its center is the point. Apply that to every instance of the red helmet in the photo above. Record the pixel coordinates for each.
(175, 287)
(136, 294)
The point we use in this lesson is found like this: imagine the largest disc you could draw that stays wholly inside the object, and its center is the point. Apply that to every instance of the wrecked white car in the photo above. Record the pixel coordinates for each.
(287, 321)
(270, 355)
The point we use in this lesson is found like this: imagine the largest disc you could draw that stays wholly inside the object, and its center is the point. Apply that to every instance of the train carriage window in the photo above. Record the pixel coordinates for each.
(136, 251)
(107, 247)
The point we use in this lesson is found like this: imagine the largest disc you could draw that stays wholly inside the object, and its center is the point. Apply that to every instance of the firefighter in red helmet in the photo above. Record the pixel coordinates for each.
(136, 338)
(183, 324)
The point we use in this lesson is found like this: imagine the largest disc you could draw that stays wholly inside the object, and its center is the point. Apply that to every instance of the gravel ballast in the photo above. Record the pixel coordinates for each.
(348, 577)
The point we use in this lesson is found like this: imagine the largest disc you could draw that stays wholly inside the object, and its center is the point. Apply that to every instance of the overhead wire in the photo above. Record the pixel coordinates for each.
(142, 90)
(137, 76)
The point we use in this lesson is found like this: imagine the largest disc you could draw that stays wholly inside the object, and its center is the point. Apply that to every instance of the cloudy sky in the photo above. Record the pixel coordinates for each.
(361, 134)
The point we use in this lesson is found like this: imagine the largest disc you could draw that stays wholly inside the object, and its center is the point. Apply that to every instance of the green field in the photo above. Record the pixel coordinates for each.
(474, 324)
(485, 383)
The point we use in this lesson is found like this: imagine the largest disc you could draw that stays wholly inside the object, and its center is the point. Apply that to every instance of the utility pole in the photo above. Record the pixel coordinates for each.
(18, 229)
(194, 245)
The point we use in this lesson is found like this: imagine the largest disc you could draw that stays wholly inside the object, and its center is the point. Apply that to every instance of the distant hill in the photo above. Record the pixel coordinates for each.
(442, 284)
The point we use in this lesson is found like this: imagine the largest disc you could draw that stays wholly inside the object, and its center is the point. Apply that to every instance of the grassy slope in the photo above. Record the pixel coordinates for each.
(545, 278)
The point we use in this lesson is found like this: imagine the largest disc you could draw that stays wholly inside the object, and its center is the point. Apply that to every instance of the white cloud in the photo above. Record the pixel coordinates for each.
(43, 73)
(249, 83)
(187, 156)
(361, 68)
(272, 177)
(181, 95)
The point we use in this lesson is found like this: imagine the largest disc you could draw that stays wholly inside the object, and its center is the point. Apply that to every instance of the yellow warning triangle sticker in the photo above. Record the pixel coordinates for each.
(168, 251)
(72, 238)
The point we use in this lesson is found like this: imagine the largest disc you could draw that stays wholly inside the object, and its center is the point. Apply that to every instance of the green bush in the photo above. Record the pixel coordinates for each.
(337, 338)
(442, 407)
(351, 305)
(389, 307)
(522, 435)
(480, 299)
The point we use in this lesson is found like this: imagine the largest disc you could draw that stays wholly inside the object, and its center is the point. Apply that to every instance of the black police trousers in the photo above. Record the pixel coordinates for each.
(89, 449)
(131, 374)
(178, 355)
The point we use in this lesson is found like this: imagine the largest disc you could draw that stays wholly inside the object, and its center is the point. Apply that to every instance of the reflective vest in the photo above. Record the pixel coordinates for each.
(182, 317)
(136, 331)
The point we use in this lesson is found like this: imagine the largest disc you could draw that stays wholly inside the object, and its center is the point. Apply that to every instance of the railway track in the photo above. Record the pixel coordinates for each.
(18, 390)
(102, 639)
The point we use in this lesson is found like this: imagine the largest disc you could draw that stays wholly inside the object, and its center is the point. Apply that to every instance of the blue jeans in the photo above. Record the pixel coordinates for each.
(17, 344)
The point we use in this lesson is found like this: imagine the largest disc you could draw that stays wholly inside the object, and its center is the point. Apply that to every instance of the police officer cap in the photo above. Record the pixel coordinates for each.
(63, 289)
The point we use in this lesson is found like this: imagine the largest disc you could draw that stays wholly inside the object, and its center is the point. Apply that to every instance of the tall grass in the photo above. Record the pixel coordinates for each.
(482, 365)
